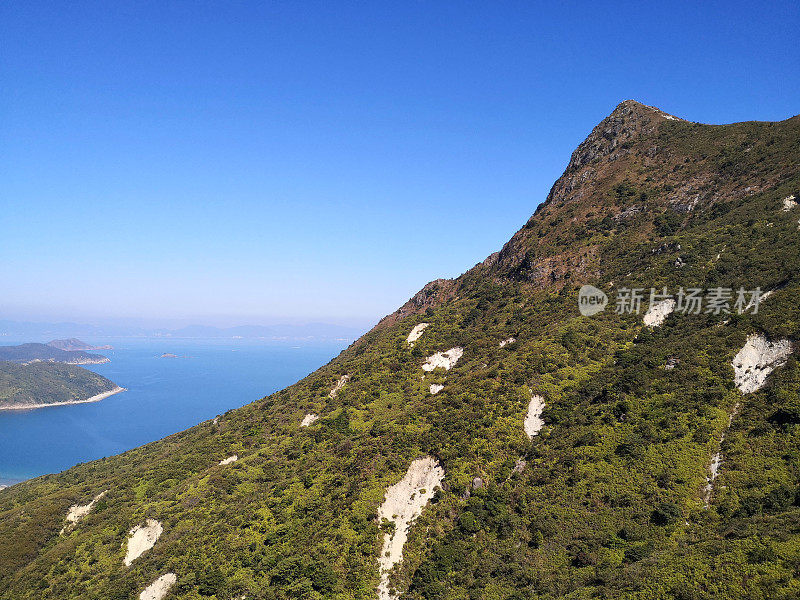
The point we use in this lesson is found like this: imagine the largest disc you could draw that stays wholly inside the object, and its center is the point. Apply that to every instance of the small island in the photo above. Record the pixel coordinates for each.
(72, 344)
(42, 384)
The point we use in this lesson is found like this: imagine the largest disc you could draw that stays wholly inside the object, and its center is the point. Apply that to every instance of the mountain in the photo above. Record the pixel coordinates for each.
(41, 384)
(28, 353)
(72, 344)
(489, 439)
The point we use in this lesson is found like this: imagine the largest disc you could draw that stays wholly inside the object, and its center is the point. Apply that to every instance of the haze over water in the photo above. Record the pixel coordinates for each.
(164, 396)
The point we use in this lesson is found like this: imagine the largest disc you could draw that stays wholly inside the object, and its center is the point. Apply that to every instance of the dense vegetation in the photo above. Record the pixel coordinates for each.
(48, 383)
(608, 501)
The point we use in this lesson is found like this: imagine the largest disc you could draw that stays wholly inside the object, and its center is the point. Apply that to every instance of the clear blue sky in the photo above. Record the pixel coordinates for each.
(249, 162)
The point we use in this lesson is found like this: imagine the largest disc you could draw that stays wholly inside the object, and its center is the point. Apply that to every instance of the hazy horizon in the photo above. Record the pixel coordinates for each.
(170, 322)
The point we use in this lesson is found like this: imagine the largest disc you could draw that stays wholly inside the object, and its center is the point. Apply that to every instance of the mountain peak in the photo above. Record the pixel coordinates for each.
(632, 109)
(628, 121)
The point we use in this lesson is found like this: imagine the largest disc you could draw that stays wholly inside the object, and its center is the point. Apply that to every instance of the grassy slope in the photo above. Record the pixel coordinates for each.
(609, 503)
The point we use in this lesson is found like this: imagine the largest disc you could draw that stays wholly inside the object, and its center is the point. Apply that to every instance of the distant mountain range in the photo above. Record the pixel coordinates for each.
(70, 331)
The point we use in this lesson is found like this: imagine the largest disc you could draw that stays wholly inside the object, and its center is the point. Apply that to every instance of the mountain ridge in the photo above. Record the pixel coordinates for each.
(599, 492)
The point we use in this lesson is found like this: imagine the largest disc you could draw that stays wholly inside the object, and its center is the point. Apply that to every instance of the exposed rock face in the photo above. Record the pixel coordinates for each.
(159, 588)
(309, 419)
(756, 360)
(789, 203)
(78, 511)
(436, 388)
(416, 332)
(629, 120)
(403, 503)
(445, 360)
(508, 341)
(229, 460)
(141, 539)
(533, 420)
(658, 312)
(339, 385)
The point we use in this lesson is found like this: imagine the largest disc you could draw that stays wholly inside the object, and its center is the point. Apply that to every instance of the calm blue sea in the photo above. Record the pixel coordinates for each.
(165, 395)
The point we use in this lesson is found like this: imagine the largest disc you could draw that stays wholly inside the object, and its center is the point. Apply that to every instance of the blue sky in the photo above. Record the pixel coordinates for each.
(252, 162)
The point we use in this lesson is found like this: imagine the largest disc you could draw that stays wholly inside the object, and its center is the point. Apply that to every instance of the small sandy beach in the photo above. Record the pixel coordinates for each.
(95, 398)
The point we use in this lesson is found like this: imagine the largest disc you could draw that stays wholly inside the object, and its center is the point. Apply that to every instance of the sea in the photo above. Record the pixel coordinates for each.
(164, 395)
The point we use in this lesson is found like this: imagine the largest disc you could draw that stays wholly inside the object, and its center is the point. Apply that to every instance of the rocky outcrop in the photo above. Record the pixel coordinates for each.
(141, 539)
(416, 333)
(436, 388)
(610, 138)
(79, 511)
(159, 588)
(533, 420)
(309, 419)
(445, 360)
(403, 503)
(339, 385)
(658, 312)
(229, 460)
(756, 360)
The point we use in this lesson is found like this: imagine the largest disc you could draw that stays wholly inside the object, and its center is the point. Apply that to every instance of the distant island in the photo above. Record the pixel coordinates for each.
(168, 355)
(42, 384)
(30, 353)
(72, 344)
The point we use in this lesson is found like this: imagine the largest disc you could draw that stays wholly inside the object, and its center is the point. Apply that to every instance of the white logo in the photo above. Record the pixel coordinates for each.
(591, 300)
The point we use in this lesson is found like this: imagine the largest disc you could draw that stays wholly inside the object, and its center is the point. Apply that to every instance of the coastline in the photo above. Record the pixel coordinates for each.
(95, 398)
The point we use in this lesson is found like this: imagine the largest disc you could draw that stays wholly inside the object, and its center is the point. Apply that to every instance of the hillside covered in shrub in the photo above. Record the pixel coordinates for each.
(613, 496)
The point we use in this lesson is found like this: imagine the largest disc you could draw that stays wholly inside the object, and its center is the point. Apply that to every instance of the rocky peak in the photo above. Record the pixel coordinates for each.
(629, 120)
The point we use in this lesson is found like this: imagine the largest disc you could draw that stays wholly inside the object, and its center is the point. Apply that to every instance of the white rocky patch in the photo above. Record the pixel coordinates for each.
(510, 340)
(339, 385)
(78, 511)
(445, 360)
(756, 360)
(713, 471)
(533, 420)
(716, 462)
(141, 539)
(789, 203)
(436, 388)
(229, 460)
(309, 419)
(658, 312)
(416, 332)
(159, 588)
(403, 503)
